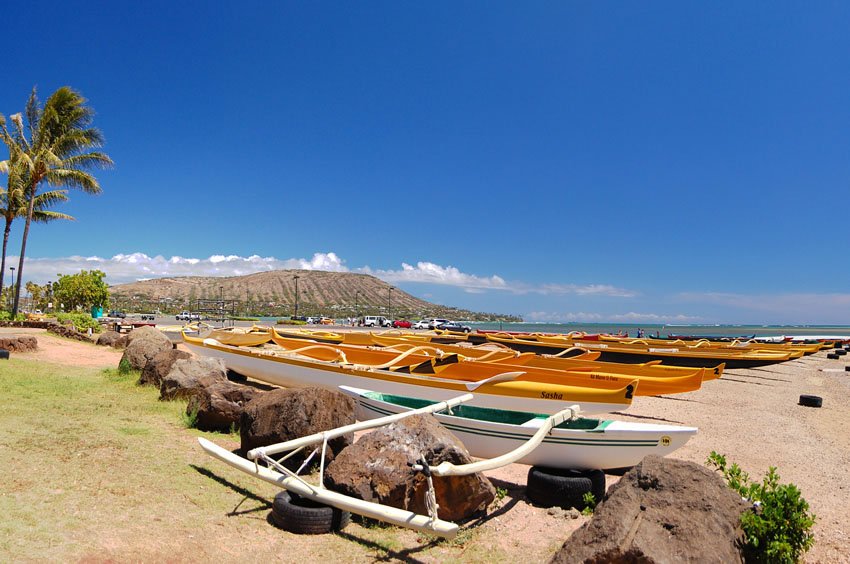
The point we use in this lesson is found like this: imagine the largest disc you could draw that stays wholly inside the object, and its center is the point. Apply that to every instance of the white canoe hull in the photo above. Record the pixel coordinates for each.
(619, 444)
(282, 372)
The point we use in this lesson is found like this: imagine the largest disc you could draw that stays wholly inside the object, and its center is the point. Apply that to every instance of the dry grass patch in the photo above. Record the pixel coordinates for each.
(96, 467)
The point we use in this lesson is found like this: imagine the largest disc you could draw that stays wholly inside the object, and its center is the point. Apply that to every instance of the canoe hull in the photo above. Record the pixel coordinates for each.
(620, 444)
(287, 372)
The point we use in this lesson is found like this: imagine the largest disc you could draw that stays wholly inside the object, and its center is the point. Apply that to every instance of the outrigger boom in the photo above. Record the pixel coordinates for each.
(430, 524)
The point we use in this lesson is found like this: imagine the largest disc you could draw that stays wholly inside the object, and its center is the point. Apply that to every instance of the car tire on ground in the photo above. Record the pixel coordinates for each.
(303, 516)
(4, 354)
(832, 356)
(565, 488)
(811, 401)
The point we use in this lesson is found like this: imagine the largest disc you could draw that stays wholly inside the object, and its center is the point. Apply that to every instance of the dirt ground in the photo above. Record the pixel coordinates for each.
(749, 415)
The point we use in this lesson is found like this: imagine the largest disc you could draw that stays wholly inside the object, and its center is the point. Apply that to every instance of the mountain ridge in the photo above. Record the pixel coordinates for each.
(272, 293)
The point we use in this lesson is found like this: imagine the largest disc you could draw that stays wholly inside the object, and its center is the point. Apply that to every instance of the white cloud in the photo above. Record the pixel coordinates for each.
(139, 266)
(791, 307)
(130, 267)
(630, 317)
(587, 290)
(430, 273)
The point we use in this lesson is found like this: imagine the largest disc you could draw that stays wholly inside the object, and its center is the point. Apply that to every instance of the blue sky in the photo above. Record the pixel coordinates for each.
(593, 161)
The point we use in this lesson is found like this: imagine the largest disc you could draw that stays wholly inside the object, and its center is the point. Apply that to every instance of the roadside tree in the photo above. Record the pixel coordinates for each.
(82, 290)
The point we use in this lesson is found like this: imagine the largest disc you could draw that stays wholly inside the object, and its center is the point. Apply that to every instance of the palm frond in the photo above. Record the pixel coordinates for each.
(33, 113)
(88, 160)
(52, 197)
(73, 179)
(48, 216)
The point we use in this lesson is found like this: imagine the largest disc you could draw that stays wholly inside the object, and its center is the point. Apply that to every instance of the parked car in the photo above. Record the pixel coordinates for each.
(422, 324)
(188, 316)
(297, 318)
(118, 314)
(313, 319)
(376, 321)
(402, 324)
(326, 321)
(435, 321)
(454, 326)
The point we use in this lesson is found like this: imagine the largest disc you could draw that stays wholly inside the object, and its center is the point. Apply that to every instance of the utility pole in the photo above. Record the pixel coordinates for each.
(296, 277)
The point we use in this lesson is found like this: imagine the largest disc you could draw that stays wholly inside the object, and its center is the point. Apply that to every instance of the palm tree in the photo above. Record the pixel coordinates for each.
(13, 206)
(52, 148)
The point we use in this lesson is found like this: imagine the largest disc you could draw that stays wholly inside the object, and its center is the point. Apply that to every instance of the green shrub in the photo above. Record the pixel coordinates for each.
(7, 316)
(778, 528)
(190, 417)
(290, 322)
(81, 321)
(589, 503)
(124, 367)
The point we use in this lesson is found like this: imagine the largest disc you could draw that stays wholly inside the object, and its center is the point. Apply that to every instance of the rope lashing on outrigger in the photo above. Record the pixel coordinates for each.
(431, 504)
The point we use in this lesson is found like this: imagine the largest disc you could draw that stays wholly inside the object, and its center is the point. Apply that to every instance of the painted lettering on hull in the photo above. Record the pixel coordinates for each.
(551, 395)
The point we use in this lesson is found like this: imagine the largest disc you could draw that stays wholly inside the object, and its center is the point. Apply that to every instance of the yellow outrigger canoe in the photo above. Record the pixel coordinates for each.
(301, 363)
(455, 364)
(586, 359)
(637, 352)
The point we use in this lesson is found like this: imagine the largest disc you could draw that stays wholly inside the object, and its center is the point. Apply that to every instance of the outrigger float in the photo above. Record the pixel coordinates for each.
(275, 473)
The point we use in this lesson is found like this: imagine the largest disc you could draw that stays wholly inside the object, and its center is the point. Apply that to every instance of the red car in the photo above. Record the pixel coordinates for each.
(402, 324)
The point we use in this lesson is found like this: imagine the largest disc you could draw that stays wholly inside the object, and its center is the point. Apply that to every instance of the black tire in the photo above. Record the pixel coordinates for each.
(840, 352)
(811, 401)
(306, 517)
(4, 354)
(565, 488)
(832, 356)
(847, 368)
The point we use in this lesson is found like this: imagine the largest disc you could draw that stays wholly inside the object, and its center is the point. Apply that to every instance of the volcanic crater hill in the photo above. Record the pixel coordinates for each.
(319, 292)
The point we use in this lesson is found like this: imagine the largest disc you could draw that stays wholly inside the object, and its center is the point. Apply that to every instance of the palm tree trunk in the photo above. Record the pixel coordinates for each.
(3, 260)
(30, 208)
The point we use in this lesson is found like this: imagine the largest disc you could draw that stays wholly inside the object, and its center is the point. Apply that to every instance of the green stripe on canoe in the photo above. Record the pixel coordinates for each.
(507, 435)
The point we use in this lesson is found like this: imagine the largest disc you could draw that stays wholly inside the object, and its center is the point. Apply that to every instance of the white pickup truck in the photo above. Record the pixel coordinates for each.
(188, 316)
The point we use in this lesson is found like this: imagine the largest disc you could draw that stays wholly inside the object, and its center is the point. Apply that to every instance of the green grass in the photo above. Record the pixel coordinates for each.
(95, 467)
(84, 447)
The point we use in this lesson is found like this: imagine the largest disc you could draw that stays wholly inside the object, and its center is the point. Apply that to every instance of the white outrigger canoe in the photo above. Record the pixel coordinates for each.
(506, 390)
(274, 472)
(578, 443)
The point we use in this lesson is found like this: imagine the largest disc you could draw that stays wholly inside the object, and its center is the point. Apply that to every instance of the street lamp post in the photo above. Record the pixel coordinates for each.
(296, 277)
(390, 302)
(221, 304)
(356, 293)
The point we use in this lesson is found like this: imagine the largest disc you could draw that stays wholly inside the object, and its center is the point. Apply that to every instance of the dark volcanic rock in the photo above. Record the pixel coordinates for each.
(377, 468)
(219, 405)
(110, 338)
(284, 414)
(148, 332)
(662, 510)
(143, 347)
(22, 343)
(159, 366)
(68, 332)
(189, 375)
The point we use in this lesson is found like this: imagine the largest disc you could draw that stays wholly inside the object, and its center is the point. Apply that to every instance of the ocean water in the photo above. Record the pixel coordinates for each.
(653, 329)
(665, 330)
